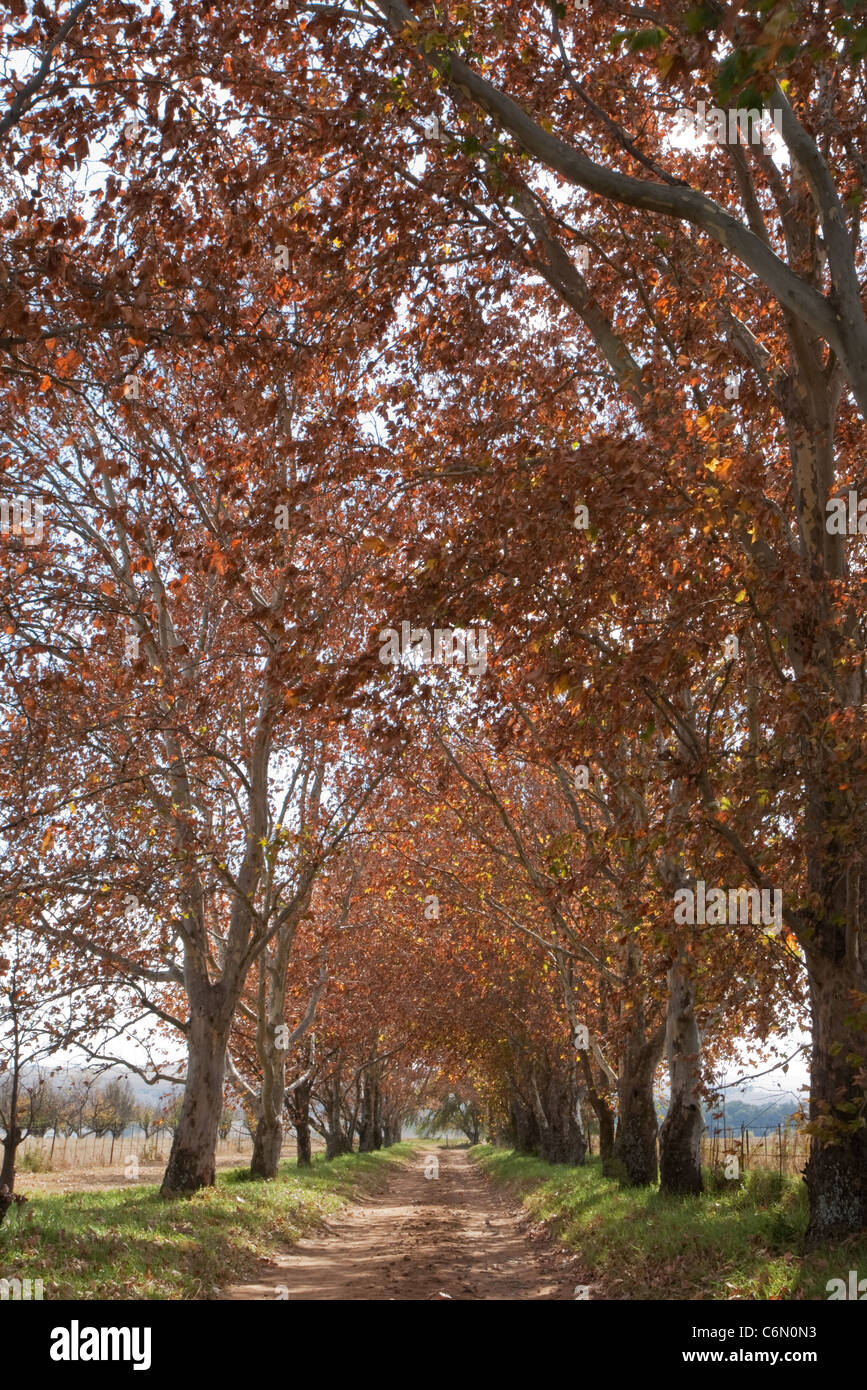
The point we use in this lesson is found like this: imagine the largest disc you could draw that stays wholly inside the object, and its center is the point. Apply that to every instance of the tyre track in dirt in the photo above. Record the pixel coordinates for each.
(452, 1236)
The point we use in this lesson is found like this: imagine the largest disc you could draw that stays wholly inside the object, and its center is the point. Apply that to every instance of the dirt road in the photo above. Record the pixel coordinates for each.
(451, 1236)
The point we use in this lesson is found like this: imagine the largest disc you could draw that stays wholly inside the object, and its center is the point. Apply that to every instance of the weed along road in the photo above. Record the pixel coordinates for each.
(439, 1230)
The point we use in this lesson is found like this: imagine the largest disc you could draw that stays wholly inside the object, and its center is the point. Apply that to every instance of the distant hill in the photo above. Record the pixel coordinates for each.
(154, 1096)
(755, 1118)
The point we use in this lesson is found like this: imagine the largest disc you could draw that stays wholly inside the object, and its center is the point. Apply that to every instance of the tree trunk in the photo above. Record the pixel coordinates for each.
(367, 1127)
(523, 1127)
(268, 1140)
(377, 1115)
(267, 1143)
(605, 1119)
(391, 1128)
(832, 934)
(305, 1150)
(337, 1142)
(634, 1159)
(836, 1171)
(14, 1134)
(299, 1111)
(271, 1002)
(682, 1128)
(11, 1141)
(192, 1161)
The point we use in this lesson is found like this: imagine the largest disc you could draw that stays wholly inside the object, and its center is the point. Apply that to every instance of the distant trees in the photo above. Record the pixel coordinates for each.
(170, 1117)
(147, 1120)
(453, 1111)
(79, 1106)
(25, 1043)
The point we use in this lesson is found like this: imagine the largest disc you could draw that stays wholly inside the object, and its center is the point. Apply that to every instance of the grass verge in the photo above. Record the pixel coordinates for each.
(131, 1243)
(736, 1241)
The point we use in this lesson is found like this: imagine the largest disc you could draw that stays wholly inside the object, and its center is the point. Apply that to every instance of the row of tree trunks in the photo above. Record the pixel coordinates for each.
(603, 1111)
(558, 1112)
(392, 1121)
(522, 1130)
(392, 1133)
(545, 1118)
(370, 1132)
(337, 1140)
(375, 1118)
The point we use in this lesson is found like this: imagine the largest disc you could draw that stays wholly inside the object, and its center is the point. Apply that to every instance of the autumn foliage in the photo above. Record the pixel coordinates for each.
(320, 322)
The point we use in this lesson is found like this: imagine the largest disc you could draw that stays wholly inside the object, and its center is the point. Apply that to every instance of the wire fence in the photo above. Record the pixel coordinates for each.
(782, 1147)
(773, 1146)
(73, 1152)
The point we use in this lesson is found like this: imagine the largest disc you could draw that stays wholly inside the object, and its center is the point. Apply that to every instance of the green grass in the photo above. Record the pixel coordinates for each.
(741, 1241)
(131, 1243)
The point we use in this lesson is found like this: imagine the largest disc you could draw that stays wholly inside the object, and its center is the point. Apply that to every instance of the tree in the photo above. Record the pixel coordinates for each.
(121, 1108)
(452, 1112)
(230, 860)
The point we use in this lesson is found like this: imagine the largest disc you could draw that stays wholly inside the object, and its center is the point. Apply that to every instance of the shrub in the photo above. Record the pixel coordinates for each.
(35, 1161)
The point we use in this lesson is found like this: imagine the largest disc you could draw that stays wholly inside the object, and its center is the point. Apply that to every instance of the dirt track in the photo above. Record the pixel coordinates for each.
(453, 1236)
